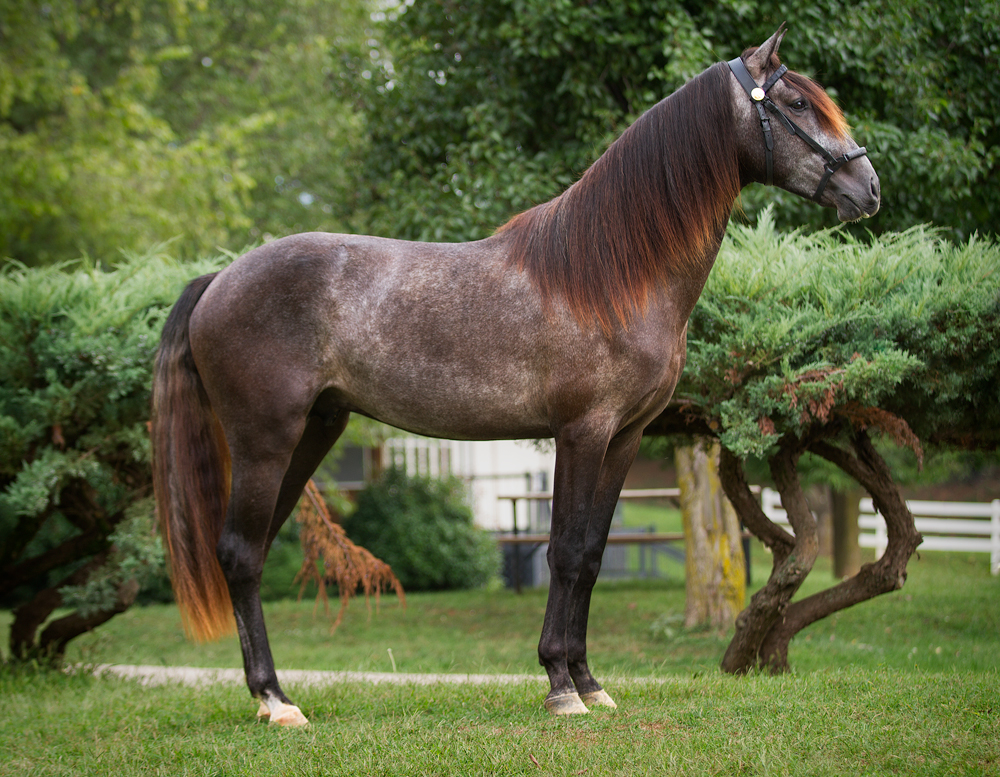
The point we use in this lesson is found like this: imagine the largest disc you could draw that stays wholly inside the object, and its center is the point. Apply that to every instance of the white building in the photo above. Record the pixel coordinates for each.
(492, 469)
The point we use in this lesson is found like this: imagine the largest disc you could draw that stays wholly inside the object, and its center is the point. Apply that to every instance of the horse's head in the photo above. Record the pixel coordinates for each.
(791, 134)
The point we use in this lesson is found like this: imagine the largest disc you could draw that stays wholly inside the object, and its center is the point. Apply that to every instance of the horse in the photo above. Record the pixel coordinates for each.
(569, 322)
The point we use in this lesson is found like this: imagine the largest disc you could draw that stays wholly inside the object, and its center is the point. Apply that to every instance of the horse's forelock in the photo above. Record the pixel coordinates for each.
(830, 117)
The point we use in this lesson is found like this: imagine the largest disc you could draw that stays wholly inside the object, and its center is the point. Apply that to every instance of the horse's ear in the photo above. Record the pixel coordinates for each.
(758, 62)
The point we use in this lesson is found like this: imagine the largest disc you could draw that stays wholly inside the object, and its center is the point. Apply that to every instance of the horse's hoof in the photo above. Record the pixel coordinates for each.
(288, 715)
(598, 698)
(566, 704)
(263, 711)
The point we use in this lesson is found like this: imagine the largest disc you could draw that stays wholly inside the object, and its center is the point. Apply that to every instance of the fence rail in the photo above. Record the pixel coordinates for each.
(968, 527)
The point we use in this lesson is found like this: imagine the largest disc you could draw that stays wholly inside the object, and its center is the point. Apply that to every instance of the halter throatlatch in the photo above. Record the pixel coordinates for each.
(758, 94)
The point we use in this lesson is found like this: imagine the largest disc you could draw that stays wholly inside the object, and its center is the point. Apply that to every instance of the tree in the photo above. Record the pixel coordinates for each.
(810, 344)
(715, 569)
(122, 125)
(478, 110)
(76, 517)
(76, 509)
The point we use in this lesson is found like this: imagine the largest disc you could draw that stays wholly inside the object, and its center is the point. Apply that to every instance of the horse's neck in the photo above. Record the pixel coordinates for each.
(684, 290)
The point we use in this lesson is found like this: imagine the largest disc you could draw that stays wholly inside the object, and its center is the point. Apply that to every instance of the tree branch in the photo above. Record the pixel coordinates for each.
(886, 574)
(32, 614)
(58, 634)
(734, 483)
(72, 549)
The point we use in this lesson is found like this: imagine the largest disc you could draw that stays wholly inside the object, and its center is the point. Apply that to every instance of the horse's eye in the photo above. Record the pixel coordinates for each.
(799, 105)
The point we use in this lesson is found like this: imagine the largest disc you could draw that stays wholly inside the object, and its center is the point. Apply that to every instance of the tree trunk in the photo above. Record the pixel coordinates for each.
(752, 647)
(889, 572)
(30, 616)
(846, 552)
(765, 629)
(715, 566)
(58, 634)
(51, 644)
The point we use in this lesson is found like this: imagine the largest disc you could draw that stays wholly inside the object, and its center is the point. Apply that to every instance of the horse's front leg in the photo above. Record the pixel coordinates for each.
(580, 453)
(621, 453)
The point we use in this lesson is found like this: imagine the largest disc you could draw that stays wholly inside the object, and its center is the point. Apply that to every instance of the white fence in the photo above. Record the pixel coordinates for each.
(968, 527)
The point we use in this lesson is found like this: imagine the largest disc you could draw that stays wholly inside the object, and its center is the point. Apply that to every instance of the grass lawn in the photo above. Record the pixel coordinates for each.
(908, 683)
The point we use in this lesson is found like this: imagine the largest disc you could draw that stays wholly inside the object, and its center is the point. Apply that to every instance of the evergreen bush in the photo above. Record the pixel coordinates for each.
(422, 527)
(76, 520)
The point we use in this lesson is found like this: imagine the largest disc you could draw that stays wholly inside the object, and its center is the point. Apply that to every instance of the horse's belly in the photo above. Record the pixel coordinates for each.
(441, 405)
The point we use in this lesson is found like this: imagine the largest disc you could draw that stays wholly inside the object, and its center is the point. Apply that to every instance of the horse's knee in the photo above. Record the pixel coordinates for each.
(551, 649)
(564, 568)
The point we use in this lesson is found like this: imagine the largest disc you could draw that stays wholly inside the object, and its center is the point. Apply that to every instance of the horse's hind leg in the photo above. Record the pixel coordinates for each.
(268, 476)
(320, 434)
(317, 439)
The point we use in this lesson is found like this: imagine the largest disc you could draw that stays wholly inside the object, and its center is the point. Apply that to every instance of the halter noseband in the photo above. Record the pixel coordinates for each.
(758, 94)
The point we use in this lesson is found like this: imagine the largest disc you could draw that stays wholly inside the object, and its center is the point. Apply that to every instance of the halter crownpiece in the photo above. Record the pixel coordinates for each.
(758, 94)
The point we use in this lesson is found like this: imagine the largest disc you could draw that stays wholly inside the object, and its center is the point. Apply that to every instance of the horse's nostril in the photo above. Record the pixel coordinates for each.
(876, 189)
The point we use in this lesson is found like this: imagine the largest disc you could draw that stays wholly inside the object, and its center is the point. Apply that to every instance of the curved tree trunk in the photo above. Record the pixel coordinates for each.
(751, 647)
(886, 574)
(765, 629)
(715, 566)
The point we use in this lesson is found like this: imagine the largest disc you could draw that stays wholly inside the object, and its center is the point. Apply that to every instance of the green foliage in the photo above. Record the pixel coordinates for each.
(481, 109)
(136, 554)
(796, 332)
(484, 109)
(423, 529)
(122, 125)
(76, 351)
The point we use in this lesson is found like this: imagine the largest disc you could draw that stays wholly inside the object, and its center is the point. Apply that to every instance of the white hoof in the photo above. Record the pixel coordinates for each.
(598, 698)
(281, 714)
(566, 704)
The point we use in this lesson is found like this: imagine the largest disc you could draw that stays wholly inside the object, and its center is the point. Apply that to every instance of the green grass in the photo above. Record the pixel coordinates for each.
(836, 722)
(908, 683)
(946, 618)
(660, 517)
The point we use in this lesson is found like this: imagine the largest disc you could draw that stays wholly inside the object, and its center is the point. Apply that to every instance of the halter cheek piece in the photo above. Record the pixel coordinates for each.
(758, 94)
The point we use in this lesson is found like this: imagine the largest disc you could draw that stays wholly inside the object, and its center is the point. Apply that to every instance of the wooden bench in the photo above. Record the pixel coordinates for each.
(537, 540)
(966, 527)
(546, 496)
(616, 537)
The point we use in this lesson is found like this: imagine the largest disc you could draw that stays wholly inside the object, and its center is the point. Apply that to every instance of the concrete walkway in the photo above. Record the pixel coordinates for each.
(187, 675)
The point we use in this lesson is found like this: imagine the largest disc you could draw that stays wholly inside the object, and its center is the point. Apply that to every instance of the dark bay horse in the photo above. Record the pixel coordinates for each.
(569, 322)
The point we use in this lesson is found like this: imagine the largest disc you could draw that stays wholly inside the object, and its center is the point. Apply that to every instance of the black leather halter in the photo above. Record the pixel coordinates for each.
(758, 94)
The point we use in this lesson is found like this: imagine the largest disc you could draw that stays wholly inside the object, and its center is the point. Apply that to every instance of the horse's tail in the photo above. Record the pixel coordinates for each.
(191, 470)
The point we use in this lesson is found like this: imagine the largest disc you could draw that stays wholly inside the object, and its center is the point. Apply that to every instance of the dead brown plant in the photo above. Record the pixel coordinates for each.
(330, 558)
